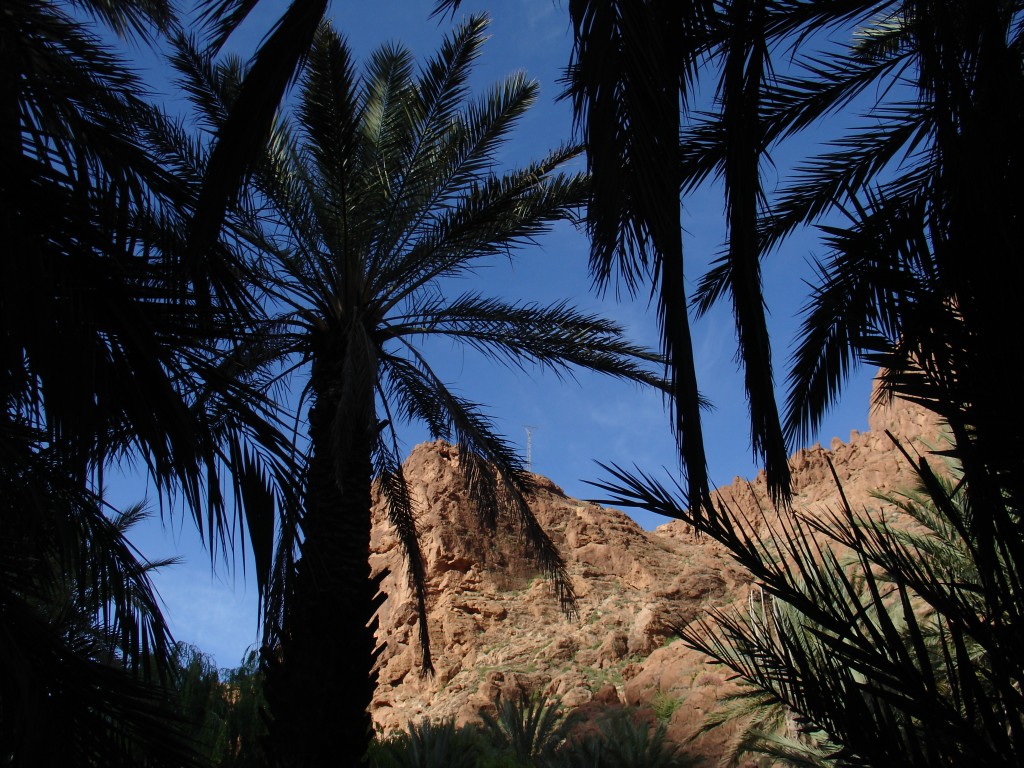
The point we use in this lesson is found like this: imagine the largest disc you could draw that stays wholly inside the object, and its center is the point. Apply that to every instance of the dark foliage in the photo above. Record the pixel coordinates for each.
(920, 208)
(111, 352)
(373, 192)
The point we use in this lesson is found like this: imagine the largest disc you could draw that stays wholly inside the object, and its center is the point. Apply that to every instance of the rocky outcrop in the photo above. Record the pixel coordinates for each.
(496, 626)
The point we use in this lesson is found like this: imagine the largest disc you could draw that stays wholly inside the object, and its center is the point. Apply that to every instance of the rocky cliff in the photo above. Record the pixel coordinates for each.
(496, 627)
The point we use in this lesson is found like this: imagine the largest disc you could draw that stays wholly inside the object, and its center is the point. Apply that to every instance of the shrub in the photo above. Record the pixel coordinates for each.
(663, 705)
(624, 739)
(427, 745)
(528, 728)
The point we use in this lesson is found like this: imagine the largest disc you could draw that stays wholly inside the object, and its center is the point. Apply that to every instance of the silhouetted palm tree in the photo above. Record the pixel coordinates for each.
(921, 210)
(380, 191)
(111, 337)
(109, 353)
(948, 80)
(634, 65)
(84, 643)
(875, 632)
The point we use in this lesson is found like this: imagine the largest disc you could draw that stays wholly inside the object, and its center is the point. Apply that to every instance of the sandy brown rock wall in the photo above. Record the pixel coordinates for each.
(496, 627)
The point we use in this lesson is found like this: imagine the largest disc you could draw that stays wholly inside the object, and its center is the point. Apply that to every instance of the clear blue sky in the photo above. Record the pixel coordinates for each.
(573, 423)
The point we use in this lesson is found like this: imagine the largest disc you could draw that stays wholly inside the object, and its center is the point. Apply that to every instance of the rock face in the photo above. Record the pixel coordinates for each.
(495, 625)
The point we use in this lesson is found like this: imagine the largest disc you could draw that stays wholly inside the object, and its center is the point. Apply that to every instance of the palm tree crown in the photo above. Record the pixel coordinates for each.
(364, 208)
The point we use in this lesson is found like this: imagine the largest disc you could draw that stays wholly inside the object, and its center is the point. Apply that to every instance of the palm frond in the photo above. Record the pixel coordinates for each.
(247, 127)
(329, 110)
(833, 177)
(856, 307)
(223, 17)
(531, 729)
(85, 647)
(556, 337)
(493, 471)
(625, 82)
(441, 91)
(394, 489)
(136, 17)
(744, 71)
(490, 217)
(855, 645)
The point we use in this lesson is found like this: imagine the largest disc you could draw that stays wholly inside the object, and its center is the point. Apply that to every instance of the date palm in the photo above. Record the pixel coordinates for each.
(109, 354)
(634, 65)
(111, 337)
(921, 213)
(940, 85)
(372, 198)
(84, 640)
(871, 631)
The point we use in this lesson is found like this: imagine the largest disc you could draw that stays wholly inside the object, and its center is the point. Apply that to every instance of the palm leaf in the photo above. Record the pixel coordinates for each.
(247, 127)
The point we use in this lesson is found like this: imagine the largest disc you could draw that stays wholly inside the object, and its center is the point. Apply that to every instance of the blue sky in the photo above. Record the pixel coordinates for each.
(573, 422)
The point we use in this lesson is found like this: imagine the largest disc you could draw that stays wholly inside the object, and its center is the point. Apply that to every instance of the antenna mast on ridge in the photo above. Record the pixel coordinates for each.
(529, 446)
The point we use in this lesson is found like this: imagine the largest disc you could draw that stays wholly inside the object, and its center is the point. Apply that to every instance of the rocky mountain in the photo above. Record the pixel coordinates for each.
(496, 626)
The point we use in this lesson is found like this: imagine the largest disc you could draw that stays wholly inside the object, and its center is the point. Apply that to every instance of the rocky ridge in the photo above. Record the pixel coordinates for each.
(496, 627)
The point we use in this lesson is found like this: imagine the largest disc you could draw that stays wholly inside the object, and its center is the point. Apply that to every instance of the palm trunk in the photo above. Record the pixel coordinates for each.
(321, 683)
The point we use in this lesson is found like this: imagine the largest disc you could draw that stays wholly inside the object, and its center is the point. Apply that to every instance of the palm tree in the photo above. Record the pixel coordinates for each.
(379, 193)
(529, 729)
(624, 738)
(632, 64)
(221, 710)
(85, 647)
(873, 632)
(110, 352)
(112, 345)
(912, 282)
(921, 211)
(767, 728)
(426, 744)
(944, 74)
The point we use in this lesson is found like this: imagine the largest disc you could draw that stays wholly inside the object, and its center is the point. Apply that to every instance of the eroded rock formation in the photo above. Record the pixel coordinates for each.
(496, 627)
